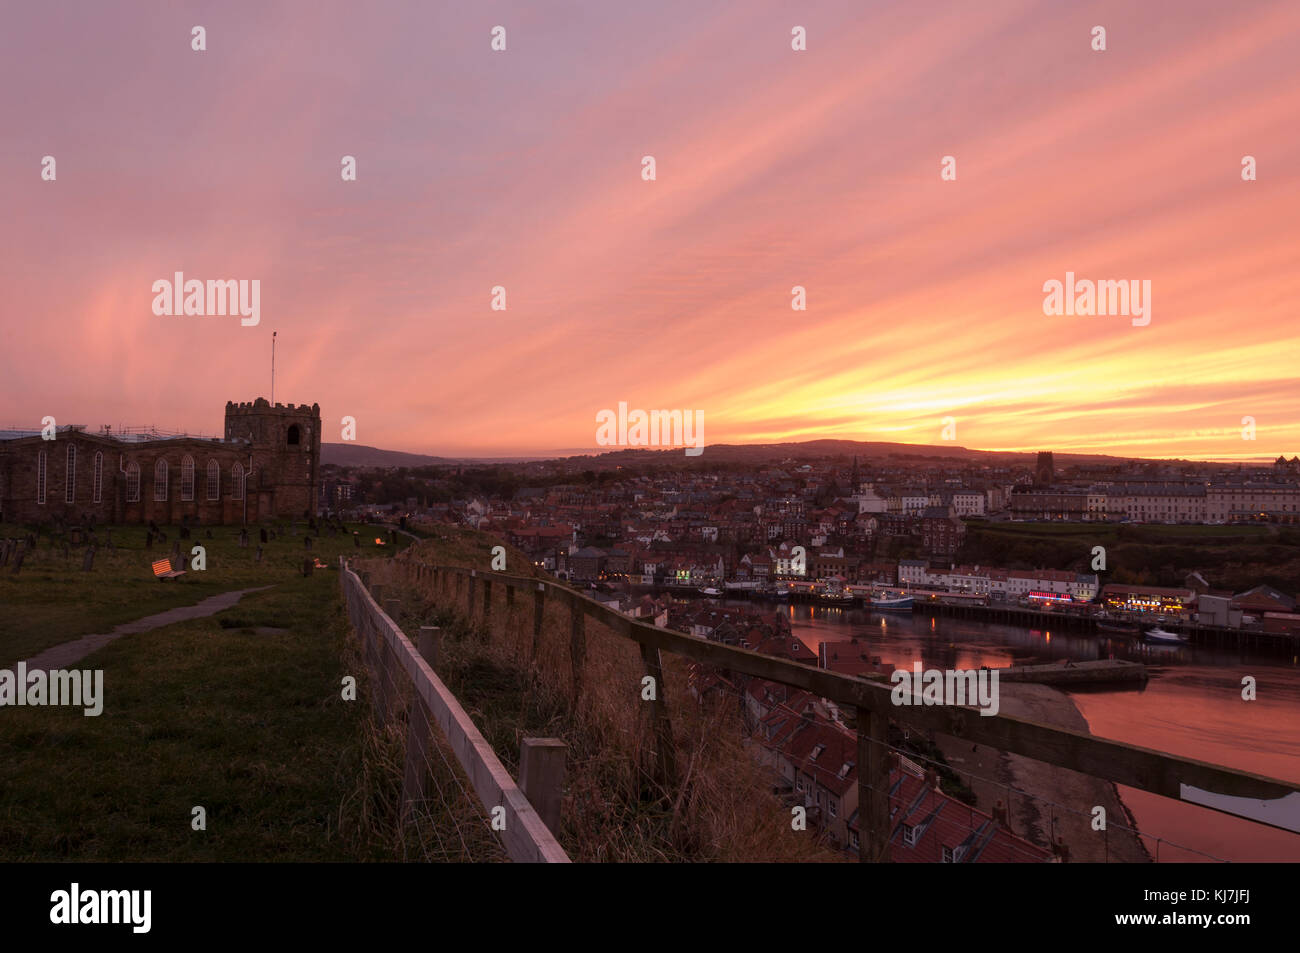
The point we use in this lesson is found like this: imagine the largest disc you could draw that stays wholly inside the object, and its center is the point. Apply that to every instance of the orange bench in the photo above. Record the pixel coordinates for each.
(162, 569)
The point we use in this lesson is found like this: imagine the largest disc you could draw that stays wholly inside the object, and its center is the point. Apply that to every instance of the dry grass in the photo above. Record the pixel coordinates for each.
(616, 807)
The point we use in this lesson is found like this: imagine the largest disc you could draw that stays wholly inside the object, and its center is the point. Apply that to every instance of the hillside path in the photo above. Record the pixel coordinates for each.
(66, 653)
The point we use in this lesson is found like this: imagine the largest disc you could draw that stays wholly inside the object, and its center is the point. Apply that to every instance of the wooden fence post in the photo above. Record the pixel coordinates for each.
(370, 629)
(388, 667)
(665, 749)
(510, 612)
(577, 643)
(415, 779)
(539, 612)
(873, 787)
(541, 778)
(430, 644)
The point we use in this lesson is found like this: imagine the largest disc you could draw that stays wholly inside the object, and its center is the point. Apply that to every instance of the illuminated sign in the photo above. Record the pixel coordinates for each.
(1051, 596)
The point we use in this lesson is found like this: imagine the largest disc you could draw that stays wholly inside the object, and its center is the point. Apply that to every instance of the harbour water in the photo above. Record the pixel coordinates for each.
(1192, 706)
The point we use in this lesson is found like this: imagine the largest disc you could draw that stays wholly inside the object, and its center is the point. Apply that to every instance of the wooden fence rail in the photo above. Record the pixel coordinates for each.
(1254, 797)
(387, 652)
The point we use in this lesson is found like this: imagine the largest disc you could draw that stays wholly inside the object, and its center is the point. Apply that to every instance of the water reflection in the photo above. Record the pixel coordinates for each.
(1192, 706)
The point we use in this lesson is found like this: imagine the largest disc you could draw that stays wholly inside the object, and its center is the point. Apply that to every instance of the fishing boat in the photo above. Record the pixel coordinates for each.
(892, 602)
(835, 598)
(1161, 635)
(710, 591)
(1118, 628)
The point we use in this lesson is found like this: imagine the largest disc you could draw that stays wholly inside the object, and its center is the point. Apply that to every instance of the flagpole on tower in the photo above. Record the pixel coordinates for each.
(272, 368)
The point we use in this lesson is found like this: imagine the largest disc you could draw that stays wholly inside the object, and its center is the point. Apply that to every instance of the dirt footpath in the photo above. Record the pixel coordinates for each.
(66, 653)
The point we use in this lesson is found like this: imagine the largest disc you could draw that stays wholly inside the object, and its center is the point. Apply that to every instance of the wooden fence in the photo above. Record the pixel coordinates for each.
(1239, 793)
(401, 676)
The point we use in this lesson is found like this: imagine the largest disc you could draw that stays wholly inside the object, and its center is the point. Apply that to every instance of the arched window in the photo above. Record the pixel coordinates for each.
(40, 477)
(214, 480)
(160, 481)
(133, 482)
(70, 491)
(187, 478)
(293, 435)
(237, 481)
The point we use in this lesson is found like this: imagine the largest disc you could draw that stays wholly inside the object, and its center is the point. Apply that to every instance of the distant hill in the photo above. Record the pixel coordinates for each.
(357, 455)
(354, 455)
(863, 449)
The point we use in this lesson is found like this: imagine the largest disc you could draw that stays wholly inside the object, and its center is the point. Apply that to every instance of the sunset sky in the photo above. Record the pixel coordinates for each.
(775, 168)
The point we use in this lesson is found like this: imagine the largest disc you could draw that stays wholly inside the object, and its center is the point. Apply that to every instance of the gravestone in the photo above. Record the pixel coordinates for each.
(88, 562)
(74, 536)
(243, 539)
(263, 532)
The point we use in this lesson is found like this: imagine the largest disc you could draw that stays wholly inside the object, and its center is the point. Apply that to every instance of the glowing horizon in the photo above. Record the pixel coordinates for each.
(775, 168)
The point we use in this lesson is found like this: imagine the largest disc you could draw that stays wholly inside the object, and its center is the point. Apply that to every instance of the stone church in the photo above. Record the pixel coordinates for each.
(267, 466)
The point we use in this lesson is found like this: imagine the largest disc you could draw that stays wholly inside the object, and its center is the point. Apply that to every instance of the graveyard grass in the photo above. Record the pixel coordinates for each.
(51, 601)
(240, 712)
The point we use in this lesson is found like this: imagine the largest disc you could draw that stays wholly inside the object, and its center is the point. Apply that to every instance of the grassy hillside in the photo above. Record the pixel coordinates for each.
(51, 600)
(1230, 557)
(240, 713)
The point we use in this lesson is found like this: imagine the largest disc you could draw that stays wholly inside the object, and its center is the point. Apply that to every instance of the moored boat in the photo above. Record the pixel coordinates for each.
(1161, 635)
(835, 598)
(887, 602)
(710, 591)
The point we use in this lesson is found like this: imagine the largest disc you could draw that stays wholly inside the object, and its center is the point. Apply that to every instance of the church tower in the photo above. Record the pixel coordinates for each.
(285, 442)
